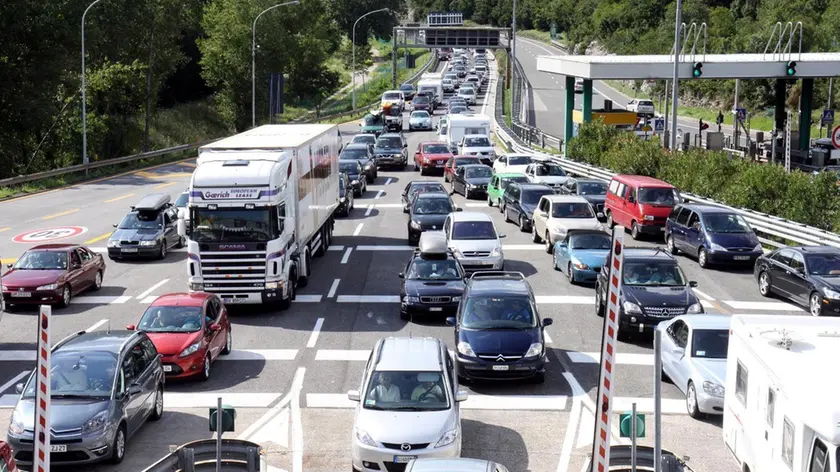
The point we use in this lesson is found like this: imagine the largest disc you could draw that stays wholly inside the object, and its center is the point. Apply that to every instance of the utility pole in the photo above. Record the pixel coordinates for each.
(735, 122)
(513, 34)
(657, 400)
(667, 139)
(675, 91)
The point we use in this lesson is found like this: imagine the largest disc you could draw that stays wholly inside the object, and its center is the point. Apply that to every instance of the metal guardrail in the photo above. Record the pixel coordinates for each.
(522, 97)
(198, 456)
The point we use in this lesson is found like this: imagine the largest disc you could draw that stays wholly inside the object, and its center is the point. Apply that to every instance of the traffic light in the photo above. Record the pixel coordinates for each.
(703, 126)
(228, 418)
(698, 70)
(791, 68)
(625, 426)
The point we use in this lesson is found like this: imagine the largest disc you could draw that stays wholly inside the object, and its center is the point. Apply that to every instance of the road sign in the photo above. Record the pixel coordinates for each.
(49, 234)
(835, 137)
(41, 459)
(625, 427)
(827, 117)
(659, 124)
(647, 128)
(741, 114)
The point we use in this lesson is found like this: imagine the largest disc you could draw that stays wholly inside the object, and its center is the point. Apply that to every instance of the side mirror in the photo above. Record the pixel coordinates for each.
(9, 266)
(450, 321)
(600, 214)
(547, 322)
(502, 236)
(182, 228)
(115, 225)
(215, 327)
(459, 209)
(19, 388)
(401, 275)
(131, 327)
(461, 396)
(353, 395)
(692, 283)
(563, 244)
(134, 389)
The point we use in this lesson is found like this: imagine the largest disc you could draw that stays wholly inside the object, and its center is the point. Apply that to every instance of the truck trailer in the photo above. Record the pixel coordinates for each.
(261, 206)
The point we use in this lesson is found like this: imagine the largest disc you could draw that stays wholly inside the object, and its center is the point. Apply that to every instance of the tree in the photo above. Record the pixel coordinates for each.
(320, 85)
(346, 12)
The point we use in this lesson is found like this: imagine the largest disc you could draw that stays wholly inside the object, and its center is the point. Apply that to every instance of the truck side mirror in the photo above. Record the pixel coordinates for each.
(182, 228)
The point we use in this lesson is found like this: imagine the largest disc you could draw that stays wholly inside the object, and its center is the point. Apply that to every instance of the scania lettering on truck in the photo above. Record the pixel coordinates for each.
(780, 399)
(261, 206)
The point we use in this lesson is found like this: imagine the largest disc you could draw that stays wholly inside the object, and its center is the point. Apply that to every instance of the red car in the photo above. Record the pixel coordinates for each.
(455, 162)
(7, 460)
(431, 155)
(51, 274)
(189, 330)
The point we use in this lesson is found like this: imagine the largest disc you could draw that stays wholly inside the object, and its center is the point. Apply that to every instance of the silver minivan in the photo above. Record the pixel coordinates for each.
(473, 238)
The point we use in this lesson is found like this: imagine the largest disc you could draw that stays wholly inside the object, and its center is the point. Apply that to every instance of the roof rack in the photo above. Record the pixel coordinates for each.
(492, 274)
(153, 202)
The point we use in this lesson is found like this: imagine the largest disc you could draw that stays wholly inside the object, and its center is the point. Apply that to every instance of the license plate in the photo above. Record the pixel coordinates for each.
(167, 368)
(501, 367)
(436, 308)
(21, 294)
(231, 301)
(129, 249)
(662, 229)
(403, 459)
(58, 448)
(742, 258)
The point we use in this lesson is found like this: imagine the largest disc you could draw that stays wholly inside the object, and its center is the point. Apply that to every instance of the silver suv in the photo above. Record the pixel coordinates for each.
(408, 405)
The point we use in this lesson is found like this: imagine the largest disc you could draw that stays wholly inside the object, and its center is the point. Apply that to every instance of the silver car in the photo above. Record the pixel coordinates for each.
(408, 405)
(420, 119)
(475, 241)
(694, 351)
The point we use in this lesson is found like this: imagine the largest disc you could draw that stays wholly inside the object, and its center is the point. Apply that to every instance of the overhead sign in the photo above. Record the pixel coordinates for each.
(741, 114)
(827, 116)
(49, 234)
(835, 137)
(231, 194)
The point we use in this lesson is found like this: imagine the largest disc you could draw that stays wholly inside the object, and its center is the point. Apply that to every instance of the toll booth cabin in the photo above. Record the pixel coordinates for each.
(644, 127)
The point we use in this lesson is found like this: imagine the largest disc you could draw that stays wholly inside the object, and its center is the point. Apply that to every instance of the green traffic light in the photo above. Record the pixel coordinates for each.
(790, 71)
(696, 73)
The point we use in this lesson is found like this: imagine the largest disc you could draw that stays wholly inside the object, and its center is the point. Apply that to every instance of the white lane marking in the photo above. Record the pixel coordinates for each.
(473, 402)
(346, 255)
(297, 424)
(523, 247)
(276, 409)
(384, 248)
(368, 299)
(379, 194)
(625, 358)
(9, 400)
(547, 339)
(388, 205)
(335, 248)
(645, 405)
(333, 288)
(358, 229)
(565, 299)
(764, 306)
(209, 399)
(260, 355)
(96, 325)
(340, 355)
(586, 430)
(568, 440)
(707, 304)
(703, 295)
(275, 431)
(102, 300)
(308, 298)
(149, 291)
(12, 382)
(475, 205)
(313, 338)
(388, 182)
(17, 356)
(369, 210)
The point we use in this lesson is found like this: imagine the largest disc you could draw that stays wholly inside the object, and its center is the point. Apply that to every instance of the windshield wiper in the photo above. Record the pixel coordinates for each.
(498, 328)
(75, 395)
(374, 407)
(407, 408)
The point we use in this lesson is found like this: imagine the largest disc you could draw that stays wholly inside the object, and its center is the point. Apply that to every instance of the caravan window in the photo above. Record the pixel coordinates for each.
(741, 377)
(787, 443)
(820, 460)
(468, 131)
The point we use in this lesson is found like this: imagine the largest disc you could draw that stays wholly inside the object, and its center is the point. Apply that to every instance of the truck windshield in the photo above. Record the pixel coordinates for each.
(234, 225)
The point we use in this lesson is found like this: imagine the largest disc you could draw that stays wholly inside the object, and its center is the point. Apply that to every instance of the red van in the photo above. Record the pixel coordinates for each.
(640, 203)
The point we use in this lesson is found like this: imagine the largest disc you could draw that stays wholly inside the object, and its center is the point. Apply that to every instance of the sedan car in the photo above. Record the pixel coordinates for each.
(51, 274)
(514, 163)
(694, 349)
(361, 153)
(806, 275)
(427, 212)
(419, 186)
(546, 173)
(581, 254)
(471, 180)
(189, 330)
(431, 156)
(420, 120)
(455, 162)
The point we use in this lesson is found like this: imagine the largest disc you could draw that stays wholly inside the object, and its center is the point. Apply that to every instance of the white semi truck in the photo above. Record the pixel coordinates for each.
(261, 207)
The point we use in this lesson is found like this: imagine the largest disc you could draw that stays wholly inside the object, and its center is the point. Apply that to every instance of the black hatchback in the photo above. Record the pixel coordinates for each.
(806, 275)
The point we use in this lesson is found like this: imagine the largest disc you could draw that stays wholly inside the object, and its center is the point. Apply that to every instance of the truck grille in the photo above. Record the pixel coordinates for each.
(433, 300)
(664, 311)
(233, 271)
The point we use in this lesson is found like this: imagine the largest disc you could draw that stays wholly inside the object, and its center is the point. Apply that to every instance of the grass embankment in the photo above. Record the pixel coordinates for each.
(542, 36)
(507, 98)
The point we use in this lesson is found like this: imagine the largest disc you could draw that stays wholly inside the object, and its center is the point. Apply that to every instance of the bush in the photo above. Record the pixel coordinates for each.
(810, 199)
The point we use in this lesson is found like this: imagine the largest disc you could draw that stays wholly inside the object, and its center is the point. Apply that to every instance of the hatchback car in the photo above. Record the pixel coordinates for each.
(511, 163)
(353, 170)
(713, 234)
(431, 156)
(581, 254)
(190, 331)
(421, 102)
(104, 386)
(455, 162)
(499, 183)
(148, 230)
(51, 274)
(420, 120)
(805, 275)
(474, 240)
(433, 281)
(593, 190)
(408, 405)
(362, 153)
(468, 94)
(556, 215)
(471, 180)
(547, 173)
(419, 186)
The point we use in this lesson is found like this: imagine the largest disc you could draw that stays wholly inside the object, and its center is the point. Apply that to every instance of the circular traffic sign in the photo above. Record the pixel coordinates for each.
(49, 234)
(835, 137)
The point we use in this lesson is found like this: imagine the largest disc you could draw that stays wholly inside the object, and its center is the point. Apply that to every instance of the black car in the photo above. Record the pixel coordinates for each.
(593, 190)
(148, 230)
(806, 275)
(472, 180)
(346, 202)
(519, 201)
(416, 186)
(427, 212)
(654, 289)
(361, 153)
(391, 150)
(433, 281)
(498, 331)
(408, 91)
(356, 174)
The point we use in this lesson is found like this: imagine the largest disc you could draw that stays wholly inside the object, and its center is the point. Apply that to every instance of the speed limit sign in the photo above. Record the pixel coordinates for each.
(48, 234)
(835, 137)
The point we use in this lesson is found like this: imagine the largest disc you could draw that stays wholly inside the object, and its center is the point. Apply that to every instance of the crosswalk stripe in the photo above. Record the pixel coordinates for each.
(645, 405)
(260, 355)
(762, 306)
(101, 300)
(626, 358)
(473, 402)
(307, 298)
(368, 299)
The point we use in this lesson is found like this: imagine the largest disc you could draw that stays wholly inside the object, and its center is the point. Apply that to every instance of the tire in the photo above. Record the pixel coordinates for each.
(181, 242)
(157, 413)
(162, 253)
(815, 304)
(610, 222)
(570, 274)
(228, 343)
(534, 236)
(66, 296)
(522, 225)
(489, 201)
(118, 445)
(286, 303)
(555, 262)
(765, 284)
(634, 230)
(600, 309)
(703, 258)
(691, 401)
(670, 246)
(539, 378)
(97, 281)
(303, 280)
(206, 371)
(549, 247)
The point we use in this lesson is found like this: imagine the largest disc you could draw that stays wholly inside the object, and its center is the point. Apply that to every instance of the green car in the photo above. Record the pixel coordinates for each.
(498, 183)
(373, 123)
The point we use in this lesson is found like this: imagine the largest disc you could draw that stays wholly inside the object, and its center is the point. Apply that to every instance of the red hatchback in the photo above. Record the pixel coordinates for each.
(455, 162)
(189, 330)
(52, 274)
(431, 156)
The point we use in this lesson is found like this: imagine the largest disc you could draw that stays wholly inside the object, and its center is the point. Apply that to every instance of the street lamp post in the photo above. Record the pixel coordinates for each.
(354, 50)
(676, 79)
(84, 105)
(254, 59)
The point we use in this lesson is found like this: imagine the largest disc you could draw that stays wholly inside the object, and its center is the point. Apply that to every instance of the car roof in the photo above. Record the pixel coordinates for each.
(362, 146)
(424, 182)
(530, 186)
(813, 249)
(108, 341)
(642, 180)
(409, 354)
(575, 232)
(503, 175)
(470, 216)
(705, 208)
(423, 143)
(647, 253)
(468, 157)
(566, 199)
(54, 247)
(474, 166)
(433, 195)
(499, 283)
(390, 135)
(363, 134)
(586, 181)
(460, 464)
(182, 299)
(707, 321)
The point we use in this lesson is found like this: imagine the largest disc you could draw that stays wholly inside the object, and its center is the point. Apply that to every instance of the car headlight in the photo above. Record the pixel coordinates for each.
(456, 299)
(497, 252)
(48, 287)
(648, 217)
(458, 253)
(190, 350)
(273, 285)
(354, 183)
(832, 294)
(713, 389)
(408, 299)
(343, 199)
(716, 247)
(364, 438)
(114, 243)
(16, 424)
(465, 349)
(630, 307)
(448, 438)
(470, 186)
(96, 424)
(695, 309)
(534, 350)
(415, 225)
(148, 243)
(580, 265)
(758, 247)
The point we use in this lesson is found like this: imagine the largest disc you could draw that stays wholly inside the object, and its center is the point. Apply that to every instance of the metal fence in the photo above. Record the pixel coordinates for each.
(521, 99)
(197, 456)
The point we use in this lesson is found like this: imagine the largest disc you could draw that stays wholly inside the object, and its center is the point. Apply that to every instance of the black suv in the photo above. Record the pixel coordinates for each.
(519, 202)
(498, 331)
(654, 289)
(391, 150)
(433, 281)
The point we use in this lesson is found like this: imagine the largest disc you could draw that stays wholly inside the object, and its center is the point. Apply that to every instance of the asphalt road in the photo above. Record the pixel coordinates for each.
(290, 371)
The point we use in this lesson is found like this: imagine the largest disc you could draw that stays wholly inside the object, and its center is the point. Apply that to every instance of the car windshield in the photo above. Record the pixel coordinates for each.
(823, 264)
(421, 99)
(391, 96)
(428, 187)
(142, 220)
(650, 273)
(354, 154)
(493, 313)
(235, 225)
(432, 206)
(509, 180)
(519, 160)
(477, 142)
(479, 172)
(371, 120)
(434, 269)
(435, 149)
(532, 197)
(348, 167)
(710, 343)
(423, 114)
(726, 223)
(466, 161)
(171, 319)
(590, 241)
(182, 200)
(572, 210)
(592, 188)
(550, 170)
(658, 196)
(364, 139)
(457, 109)
(389, 142)
(79, 374)
(407, 88)
(42, 260)
(466, 230)
(406, 391)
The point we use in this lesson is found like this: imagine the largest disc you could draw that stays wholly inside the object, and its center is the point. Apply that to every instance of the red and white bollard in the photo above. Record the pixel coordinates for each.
(42, 394)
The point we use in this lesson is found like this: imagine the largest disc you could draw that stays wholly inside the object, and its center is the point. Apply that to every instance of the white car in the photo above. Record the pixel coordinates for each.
(474, 79)
(448, 84)
(420, 119)
(556, 215)
(474, 240)
(694, 349)
(468, 94)
(454, 78)
(394, 98)
(408, 407)
(477, 145)
(515, 163)
(644, 107)
(546, 173)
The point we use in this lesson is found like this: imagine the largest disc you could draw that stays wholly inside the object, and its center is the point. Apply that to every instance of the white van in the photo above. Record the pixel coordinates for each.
(460, 125)
(433, 85)
(780, 399)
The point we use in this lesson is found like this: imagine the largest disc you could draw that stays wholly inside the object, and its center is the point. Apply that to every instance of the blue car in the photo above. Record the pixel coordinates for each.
(712, 234)
(581, 254)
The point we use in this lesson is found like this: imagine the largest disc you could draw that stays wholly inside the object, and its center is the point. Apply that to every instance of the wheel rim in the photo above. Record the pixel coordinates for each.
(635, 229)
(815, 305)
(163, 249)
(207, 366)
(764, 283)
(229, 343)
(547, 242)
(159, 403)
(691, 400)
(670, 244)
(702, 257)
(66, 296)
(120, 443)
(98, 280)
